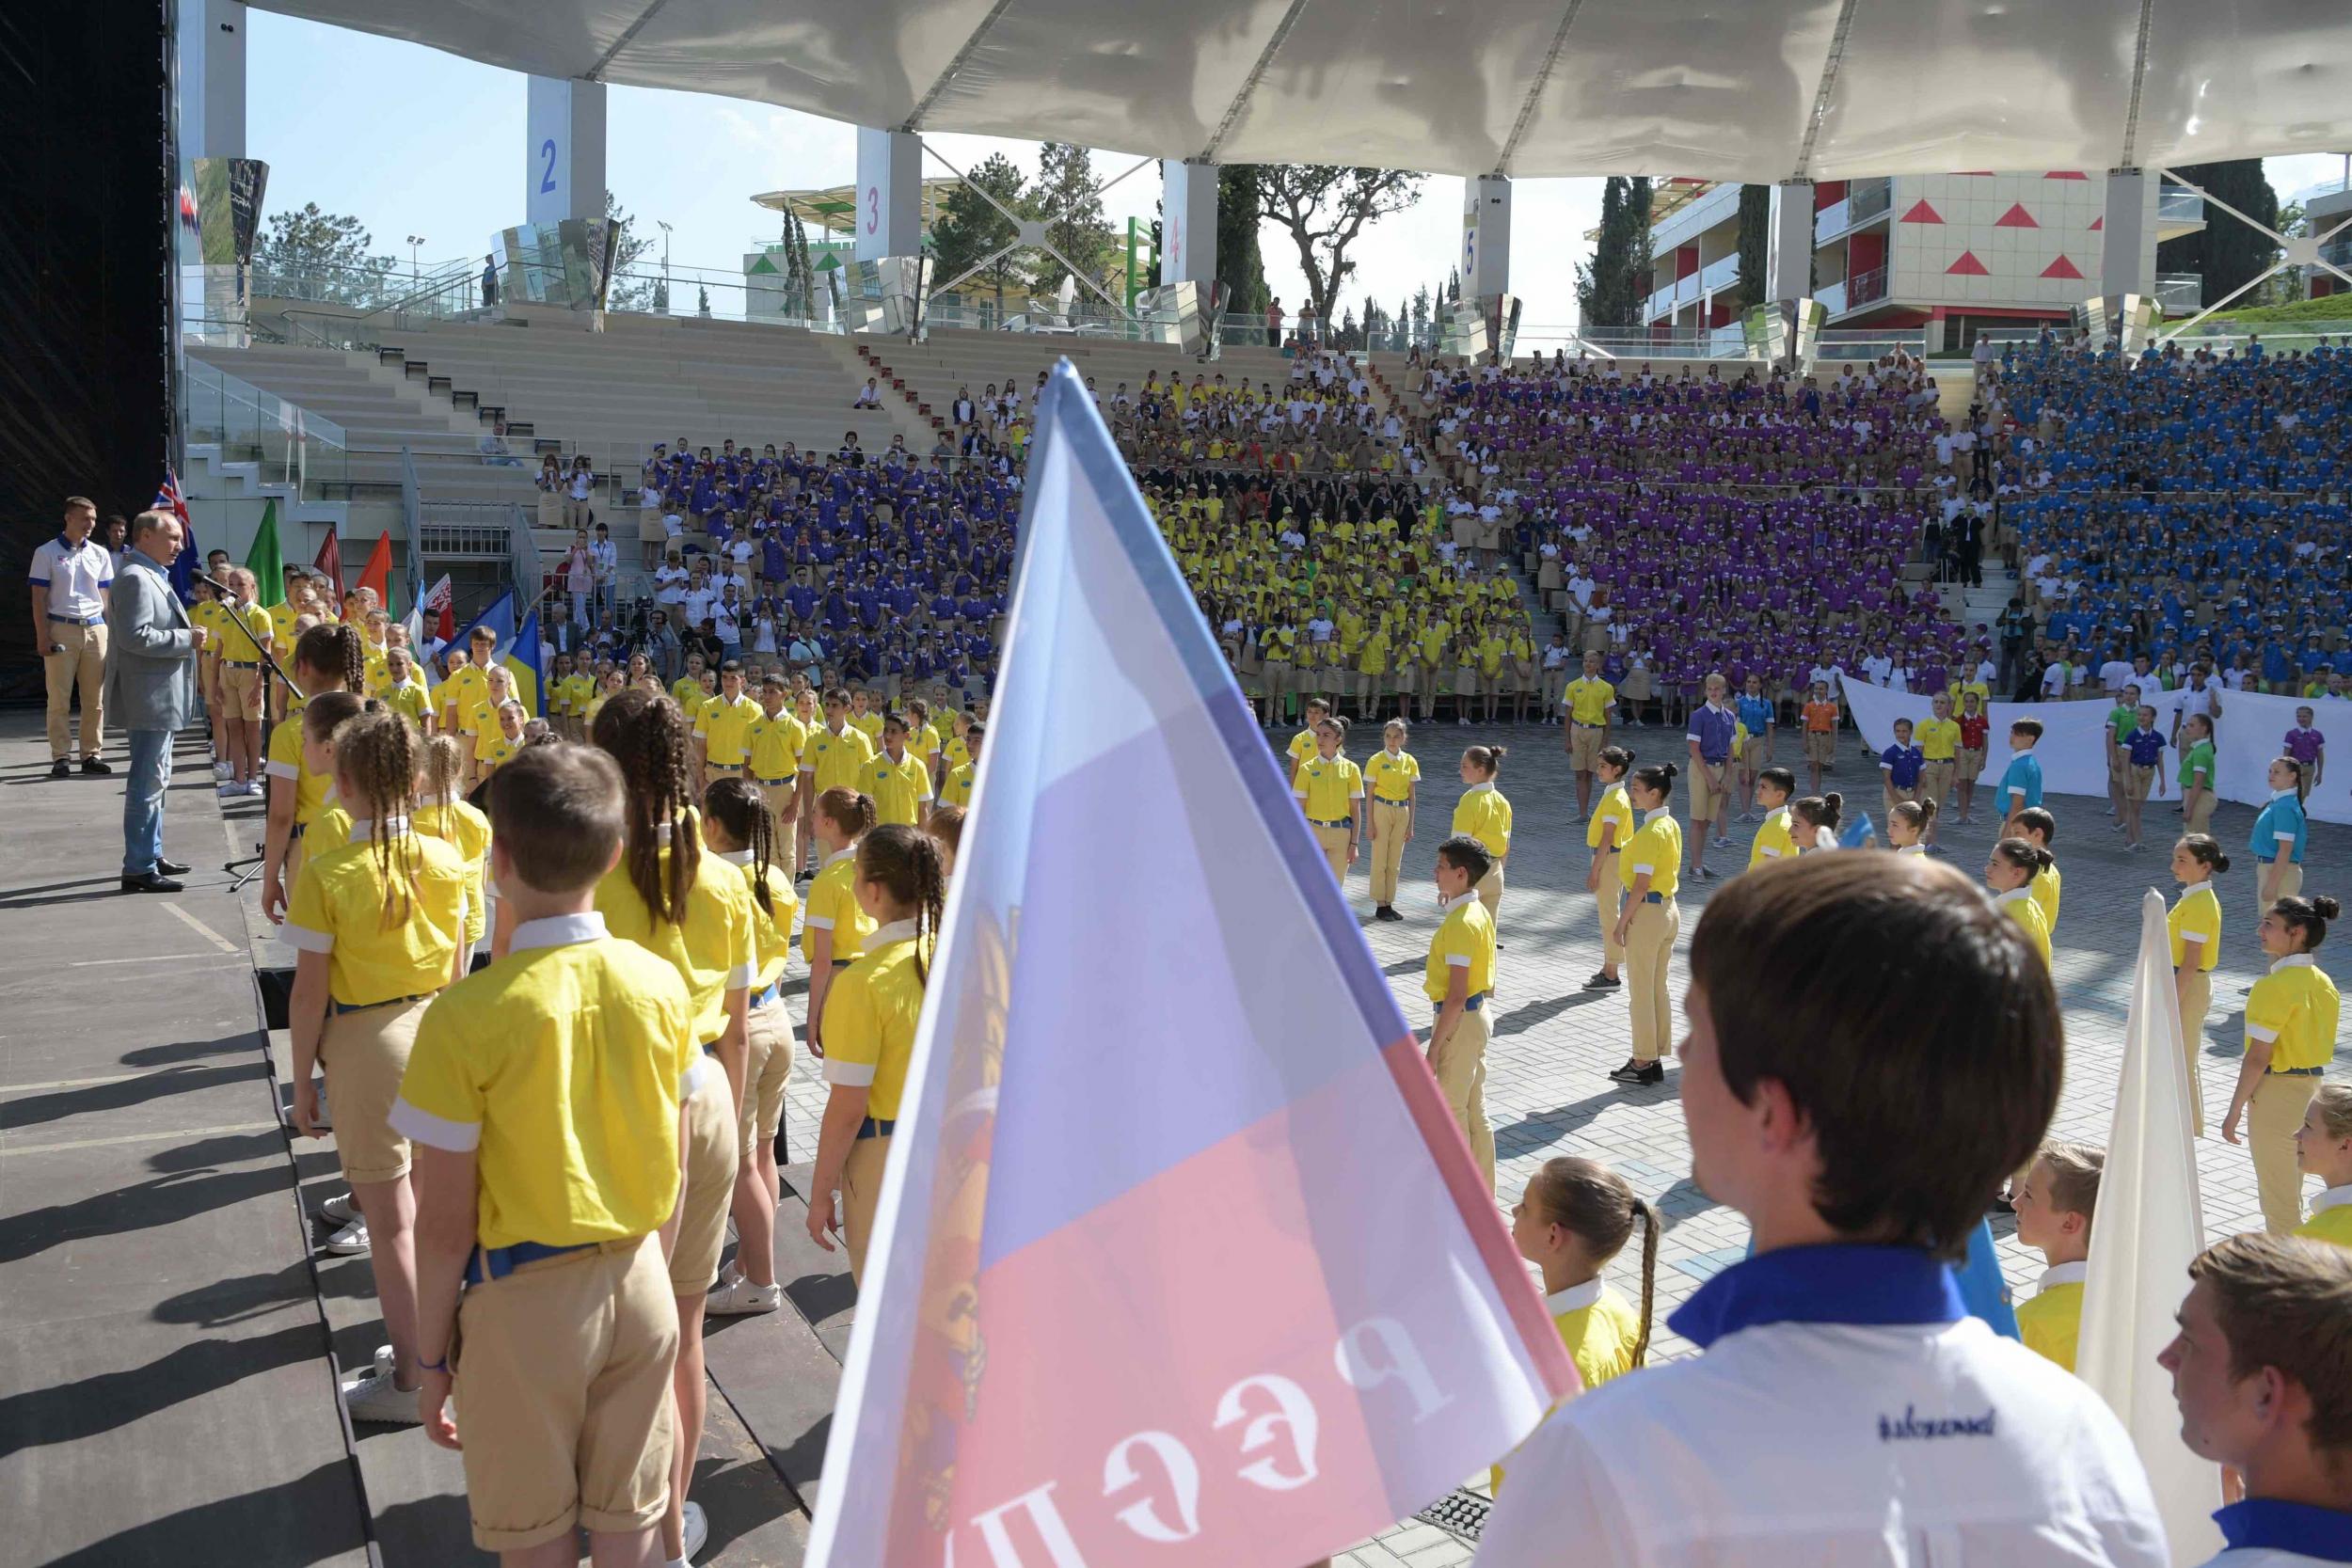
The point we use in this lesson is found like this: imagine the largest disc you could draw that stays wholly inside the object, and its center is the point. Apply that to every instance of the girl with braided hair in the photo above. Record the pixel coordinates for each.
(678, 901)
(377, 924)
(869, 1018)
(325, 659)
(835, 932)
(443, 813)
(740, 831)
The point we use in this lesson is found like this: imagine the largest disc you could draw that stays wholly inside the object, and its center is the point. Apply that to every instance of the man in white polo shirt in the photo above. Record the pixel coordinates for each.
(70, 575)
(1846, 1410)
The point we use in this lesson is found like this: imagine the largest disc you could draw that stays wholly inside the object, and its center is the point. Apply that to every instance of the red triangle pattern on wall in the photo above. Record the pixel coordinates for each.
(2016, 218)
(1968, 266)
(2061, 268)
(2066, 174)
(1921, 212)
(2098, 222)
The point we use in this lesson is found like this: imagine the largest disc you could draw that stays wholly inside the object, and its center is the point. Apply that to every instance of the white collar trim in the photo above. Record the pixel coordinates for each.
(838, 856)
(2334, 1197)
(2064, 1273)
(1655, 813)
(2013, 894)
(363, 829)
(895, 931)
(2294, 961)
(736, 857)
(557, 930)
(1574, 1298)
(1445, 905)
(1487, 784)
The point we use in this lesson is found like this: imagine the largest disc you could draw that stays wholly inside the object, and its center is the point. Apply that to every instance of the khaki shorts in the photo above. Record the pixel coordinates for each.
(240, 691)
(2140, 781)
(1751, 754)
(365, 1054)
(769, 1069)
(1935, 780)
(712, 1157)
(1584, 747)
(1821, 746)
(562, 1395)
(861, 1193)
(1971, 765)
(1707, 798)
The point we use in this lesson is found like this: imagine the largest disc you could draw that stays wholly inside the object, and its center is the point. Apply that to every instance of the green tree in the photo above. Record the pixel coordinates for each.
(970, 229)
(1755, 228)
(1071, 207)
(1608, 287)
(1239, 266)
(316, 255)
(1325, 209)
(630, 288)
(2226, 253)
(1421, 315)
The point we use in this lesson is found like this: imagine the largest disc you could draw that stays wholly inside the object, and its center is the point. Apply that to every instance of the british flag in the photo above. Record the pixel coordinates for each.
(183, 566)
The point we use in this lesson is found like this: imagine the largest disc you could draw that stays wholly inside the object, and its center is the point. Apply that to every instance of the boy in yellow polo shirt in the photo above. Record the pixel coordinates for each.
(833, 756)
(1459, 980)
(722, 727)
(1938, 738)
(896, 778)
(569, 1328)
(774, 758)
(957, 789)
(1589, 700)
(2054, 1205)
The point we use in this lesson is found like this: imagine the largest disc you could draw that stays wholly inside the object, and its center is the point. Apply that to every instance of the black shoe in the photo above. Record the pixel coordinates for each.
(1627, 1073)
(1603, 982)
(1655, 1072)
(61, 770)
(1384, 912)
(171, 868)
(152, 881)
(91, 765)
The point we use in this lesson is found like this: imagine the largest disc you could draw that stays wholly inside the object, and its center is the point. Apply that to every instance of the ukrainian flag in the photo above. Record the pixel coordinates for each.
(518, 648)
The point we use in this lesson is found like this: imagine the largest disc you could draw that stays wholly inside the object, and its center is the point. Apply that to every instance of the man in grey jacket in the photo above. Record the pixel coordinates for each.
(151, 683)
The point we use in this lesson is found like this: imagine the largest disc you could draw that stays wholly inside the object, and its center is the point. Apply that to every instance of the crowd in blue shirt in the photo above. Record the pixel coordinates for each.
(2189, 504)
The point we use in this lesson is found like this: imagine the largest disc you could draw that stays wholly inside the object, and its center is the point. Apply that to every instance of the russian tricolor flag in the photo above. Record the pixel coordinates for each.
(1179, 1246)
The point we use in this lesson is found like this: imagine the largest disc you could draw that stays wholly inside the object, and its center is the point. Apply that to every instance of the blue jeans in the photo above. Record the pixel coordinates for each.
(143, 800)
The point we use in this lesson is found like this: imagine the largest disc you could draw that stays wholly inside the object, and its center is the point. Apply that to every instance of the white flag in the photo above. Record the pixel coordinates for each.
(2151, 1223)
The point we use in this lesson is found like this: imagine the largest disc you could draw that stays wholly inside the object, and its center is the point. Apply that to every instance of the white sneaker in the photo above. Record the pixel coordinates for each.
(231, 789)
(740, 1297)
(221, 771)
(375, 1398)
(258, 786)
(697, 1530)
(351, 1240)
(341, 1208)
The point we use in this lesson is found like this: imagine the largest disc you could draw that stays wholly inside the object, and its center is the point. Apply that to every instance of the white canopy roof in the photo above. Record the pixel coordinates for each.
(1740, 89)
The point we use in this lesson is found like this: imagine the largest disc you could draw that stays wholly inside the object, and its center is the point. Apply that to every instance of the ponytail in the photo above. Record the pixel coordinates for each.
(2302, 777)
(443, 765)
(647, 736)
(1599, 1207)
(738, 807)
(337, 651)
(377, 750)
(849, 810)
(905, 863)
(1487, 759)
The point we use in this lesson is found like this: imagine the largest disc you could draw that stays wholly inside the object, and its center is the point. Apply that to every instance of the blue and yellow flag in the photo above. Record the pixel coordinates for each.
(517, 650)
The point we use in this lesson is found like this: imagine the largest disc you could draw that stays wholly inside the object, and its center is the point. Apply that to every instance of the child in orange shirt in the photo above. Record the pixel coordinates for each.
(1820, 733)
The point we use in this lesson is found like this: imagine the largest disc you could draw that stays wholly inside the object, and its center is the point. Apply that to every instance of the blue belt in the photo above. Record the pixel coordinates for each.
(843, 963)
(768, 998)
(727, 768)
(338, 1009)
(1653, 899)
(1471, 1005)
(1319, 822)
(2296, 1071)
(772, 783)
(97, 620)
(243, 663)
(489, 1263)
(869, 1128)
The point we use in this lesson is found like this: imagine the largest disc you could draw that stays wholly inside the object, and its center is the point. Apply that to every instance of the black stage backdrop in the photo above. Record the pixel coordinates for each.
(87, 205)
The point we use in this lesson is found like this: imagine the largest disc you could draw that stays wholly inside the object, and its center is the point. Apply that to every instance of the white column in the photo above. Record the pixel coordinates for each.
(2128, 250)
(1486, 236)
(564, 170)
(1788, 241)
(1187, 221)
(889, 193)
(212, 79)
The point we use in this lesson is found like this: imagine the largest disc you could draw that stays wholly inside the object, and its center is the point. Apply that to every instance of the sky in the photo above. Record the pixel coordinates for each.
(451, 170)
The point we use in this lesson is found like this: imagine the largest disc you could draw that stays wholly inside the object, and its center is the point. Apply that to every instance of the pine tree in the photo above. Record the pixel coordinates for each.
(1239, 266)
(1609, 289)
(1073, 209)
(1755, 228)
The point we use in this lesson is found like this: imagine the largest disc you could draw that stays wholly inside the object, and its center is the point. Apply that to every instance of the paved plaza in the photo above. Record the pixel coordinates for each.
(1547, 1092)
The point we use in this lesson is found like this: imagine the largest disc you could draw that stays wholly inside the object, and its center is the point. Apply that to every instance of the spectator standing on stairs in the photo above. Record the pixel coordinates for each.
(490, 279)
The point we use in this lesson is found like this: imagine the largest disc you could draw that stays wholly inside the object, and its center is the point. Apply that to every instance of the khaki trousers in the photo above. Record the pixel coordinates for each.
(83, 663)
(1333, 842)
(1649, 946)
(2200, 817)
(861, 1193)
(1389, 819)
(2289, 883)
(2195, 1001)
(1461, 1073)
(1610, 902)
(2273, 1117)
(1490, 892)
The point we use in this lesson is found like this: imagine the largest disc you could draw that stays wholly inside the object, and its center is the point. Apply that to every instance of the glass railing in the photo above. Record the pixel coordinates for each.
(1832, 297)
(2180, 294)
(2179, 204)
(1867, 198)
(378, 281)
(1865, 287)
(1720, 273)
(289, 444)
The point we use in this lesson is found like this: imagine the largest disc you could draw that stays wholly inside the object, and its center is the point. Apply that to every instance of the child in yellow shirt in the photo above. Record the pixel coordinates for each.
(2324, 1148)
(2054, 1208)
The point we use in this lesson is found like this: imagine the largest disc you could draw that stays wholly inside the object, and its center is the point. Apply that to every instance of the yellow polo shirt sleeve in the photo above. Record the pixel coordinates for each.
(2295, 1011)
(2045, 888)
(2196, 913)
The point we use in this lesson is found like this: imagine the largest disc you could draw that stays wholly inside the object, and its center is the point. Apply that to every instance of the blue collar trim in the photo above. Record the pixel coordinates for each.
(2306, 1528)
(1836, 1283)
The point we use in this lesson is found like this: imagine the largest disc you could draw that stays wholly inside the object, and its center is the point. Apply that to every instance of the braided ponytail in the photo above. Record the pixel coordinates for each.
(377, 752)
(736, 806)
(647, 736)
(905, 862)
